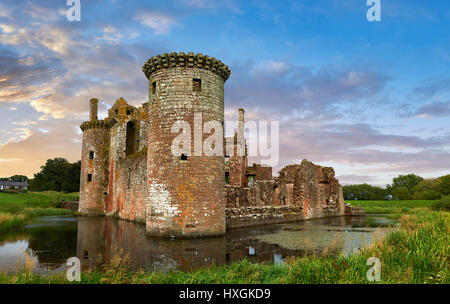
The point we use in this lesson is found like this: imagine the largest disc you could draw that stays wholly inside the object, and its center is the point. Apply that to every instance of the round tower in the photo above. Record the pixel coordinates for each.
(187, 191)
(94, 157)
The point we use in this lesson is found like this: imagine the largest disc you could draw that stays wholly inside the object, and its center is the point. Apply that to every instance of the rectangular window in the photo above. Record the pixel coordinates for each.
(183, 157)
(128, 112)
(89, 177)
(197, 85)
(153, 87)
(91, 155)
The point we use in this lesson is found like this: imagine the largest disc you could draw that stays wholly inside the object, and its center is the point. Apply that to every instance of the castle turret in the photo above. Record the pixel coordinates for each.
(94, 157)
(187, 191)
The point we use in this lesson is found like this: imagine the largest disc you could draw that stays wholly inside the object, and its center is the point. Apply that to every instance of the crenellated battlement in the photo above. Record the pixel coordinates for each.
(94, 124)
(189, 60)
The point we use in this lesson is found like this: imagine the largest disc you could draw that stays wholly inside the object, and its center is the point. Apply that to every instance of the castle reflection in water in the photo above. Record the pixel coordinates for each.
(52, 240)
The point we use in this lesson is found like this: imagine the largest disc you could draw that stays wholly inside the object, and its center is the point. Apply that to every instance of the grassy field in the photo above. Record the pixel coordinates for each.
(417, 253)
(17, 209)
(392, 207)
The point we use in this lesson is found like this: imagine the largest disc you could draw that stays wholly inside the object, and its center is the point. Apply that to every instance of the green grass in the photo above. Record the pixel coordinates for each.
(417, 253)
(393, 207)
(37, 199)
(17, 209)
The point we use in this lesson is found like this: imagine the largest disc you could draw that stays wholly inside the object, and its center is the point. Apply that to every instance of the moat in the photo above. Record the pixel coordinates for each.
(50, 241)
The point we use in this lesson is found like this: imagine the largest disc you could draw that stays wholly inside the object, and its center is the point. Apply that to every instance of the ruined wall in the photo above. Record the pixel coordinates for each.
(262, 215)
(316, 190)
(237, 170)
(353, 210)
(260, 172)
(300, 192)
(186, 196)
(127, 180)
(130, 183)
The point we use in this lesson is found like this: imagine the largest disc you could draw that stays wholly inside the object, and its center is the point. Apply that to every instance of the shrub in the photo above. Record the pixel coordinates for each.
(427, 195)
(445, 184)
(442, 204)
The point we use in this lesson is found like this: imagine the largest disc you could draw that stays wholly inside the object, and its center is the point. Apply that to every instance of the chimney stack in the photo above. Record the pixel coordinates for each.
(94, 109)
(241, 115)
(241, 122)
(240, 134)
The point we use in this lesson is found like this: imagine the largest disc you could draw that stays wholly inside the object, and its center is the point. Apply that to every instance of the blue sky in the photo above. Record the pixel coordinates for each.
(371, 99)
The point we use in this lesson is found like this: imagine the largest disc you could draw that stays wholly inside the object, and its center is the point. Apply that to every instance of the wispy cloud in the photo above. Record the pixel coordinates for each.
(159, 22)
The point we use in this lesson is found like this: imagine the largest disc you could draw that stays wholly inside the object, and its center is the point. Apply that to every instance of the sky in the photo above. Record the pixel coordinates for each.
(371, 99)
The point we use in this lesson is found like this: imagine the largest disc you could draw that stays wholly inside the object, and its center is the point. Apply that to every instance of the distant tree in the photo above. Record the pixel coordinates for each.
(409, 181)
(401, 193)
(71, 182)
(58, 175)
(445, 184)
(388, 189)
(19, 178)
(15, 178)
(363, 192)
(427, 195)
(428, 189)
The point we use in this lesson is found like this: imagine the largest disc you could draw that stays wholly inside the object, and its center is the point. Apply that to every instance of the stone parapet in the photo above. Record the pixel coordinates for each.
(189, 60)
(94, 124)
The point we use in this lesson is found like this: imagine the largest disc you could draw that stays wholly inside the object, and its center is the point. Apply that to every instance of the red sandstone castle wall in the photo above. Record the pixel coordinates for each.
(127, 180)
(186, 196)
(95, 139)
(300, 192)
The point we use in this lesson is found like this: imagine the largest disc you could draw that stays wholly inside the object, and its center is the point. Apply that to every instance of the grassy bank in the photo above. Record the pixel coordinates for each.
(17, 209)
(417, 253)
(393, 207)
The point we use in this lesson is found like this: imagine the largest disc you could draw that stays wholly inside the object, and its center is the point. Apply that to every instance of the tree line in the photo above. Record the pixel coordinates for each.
(403, 187)
(14, 178)
(57, 174)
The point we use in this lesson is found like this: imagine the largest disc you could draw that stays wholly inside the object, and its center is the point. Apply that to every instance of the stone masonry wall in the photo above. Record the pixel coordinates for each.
(131, 187)
(300, 192)
(93, 176)
(263, 215)
(186, 196)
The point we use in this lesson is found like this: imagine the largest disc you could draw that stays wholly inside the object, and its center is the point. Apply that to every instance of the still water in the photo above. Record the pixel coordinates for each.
(49, 241)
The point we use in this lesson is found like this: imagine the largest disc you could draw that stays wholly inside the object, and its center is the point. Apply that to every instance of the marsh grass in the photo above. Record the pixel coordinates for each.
(418, 252)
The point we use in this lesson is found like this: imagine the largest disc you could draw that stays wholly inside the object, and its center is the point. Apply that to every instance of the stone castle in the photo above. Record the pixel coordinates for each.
(128, 169)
